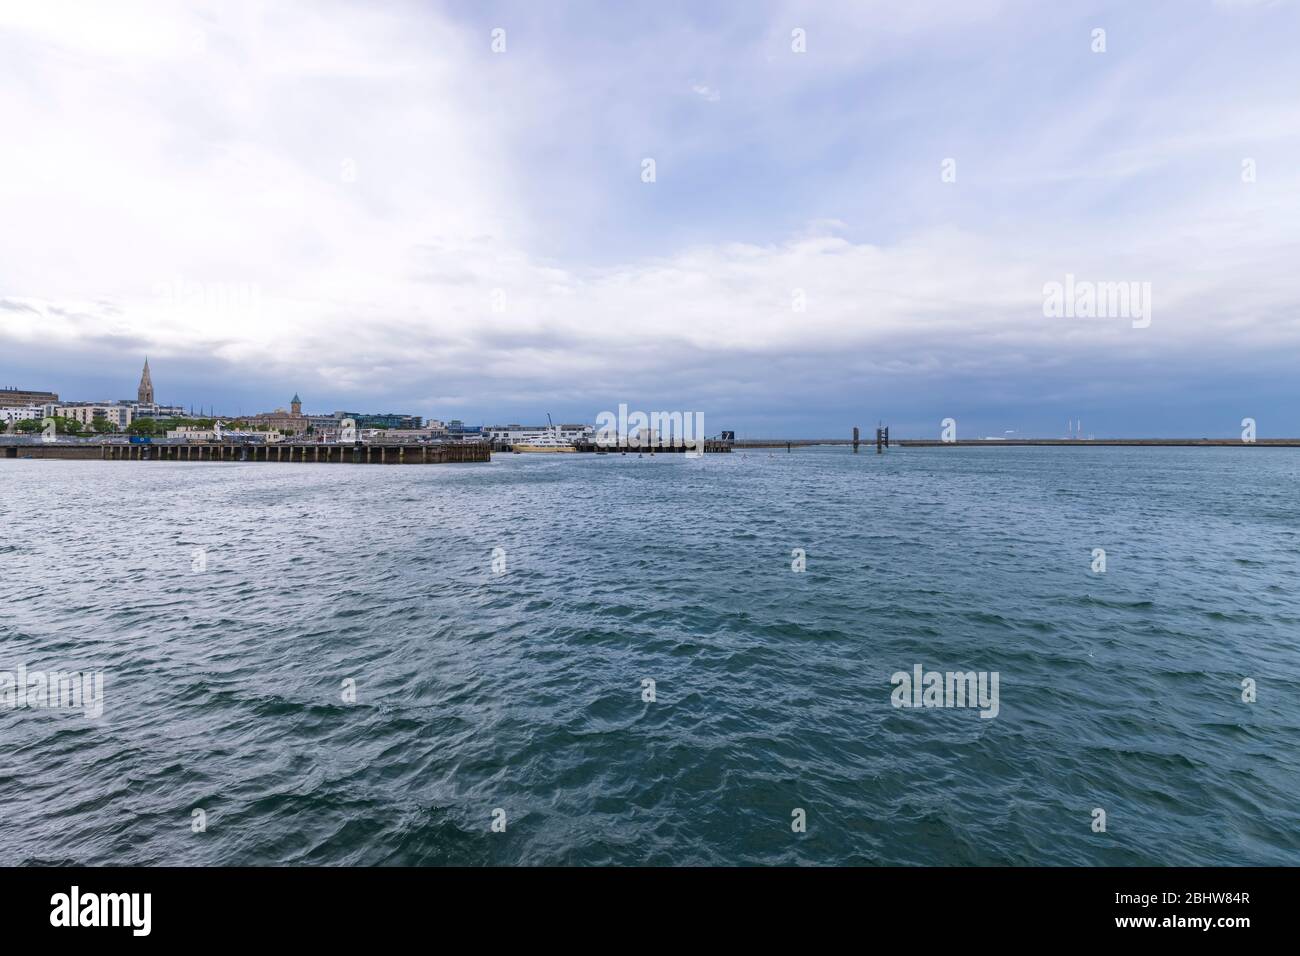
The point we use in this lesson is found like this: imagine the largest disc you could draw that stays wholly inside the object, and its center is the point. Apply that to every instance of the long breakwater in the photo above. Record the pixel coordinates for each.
(278, 452)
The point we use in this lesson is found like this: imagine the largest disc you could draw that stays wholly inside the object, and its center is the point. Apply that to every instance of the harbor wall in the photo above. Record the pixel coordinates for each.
(282, 453)
(1024, 442)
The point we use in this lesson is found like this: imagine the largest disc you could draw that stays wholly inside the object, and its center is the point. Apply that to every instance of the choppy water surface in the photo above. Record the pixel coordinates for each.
(523, 691)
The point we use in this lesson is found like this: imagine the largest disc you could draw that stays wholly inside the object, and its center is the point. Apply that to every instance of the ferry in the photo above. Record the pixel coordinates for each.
(544, 443)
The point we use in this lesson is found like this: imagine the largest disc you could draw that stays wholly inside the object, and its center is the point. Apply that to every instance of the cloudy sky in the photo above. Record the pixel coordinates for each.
(853, 213)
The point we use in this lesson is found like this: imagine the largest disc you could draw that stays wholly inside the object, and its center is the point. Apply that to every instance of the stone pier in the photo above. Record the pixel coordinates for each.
(281, 452)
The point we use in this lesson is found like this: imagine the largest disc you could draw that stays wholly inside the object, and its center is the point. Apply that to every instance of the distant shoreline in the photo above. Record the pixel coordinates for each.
(1022, 442)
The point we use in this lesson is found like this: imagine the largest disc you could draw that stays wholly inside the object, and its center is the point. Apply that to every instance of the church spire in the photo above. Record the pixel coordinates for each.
(145, 392)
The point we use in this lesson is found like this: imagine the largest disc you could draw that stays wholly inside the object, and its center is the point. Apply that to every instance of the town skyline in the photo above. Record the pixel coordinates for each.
(272, 410)
(145, 396)
(291, 418)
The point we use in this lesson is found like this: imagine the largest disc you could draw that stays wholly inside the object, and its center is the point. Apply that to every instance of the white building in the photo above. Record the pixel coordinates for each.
(149, 410)
(20, 413)
(397, 434)
(518, 434)
(189, 433)
(119, 416)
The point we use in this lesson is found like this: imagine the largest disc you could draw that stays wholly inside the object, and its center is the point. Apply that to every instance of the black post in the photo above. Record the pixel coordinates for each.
(855, 439)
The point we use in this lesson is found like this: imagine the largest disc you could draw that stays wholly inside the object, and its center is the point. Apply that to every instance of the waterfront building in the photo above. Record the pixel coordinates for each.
(19, 413)
(291, 422)
(13, 397)
(520, 434)
(155, 411)
(189, 433)
(459, 431)
(120, 415)
(381, 420)
(400, 434)
(116, 414)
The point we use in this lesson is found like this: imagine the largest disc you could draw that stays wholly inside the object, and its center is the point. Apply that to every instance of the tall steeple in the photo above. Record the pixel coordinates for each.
(295, 406)
(145, 392)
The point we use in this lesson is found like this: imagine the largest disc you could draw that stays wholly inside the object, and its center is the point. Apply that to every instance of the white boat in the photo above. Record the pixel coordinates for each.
(545, 443)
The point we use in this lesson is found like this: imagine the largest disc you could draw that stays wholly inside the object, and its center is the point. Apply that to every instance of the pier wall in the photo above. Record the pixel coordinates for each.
(281, 453)
(1025, 442)
(712, 446)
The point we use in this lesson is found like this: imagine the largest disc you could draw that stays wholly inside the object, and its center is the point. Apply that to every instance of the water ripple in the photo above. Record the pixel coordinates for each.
(225, 688)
